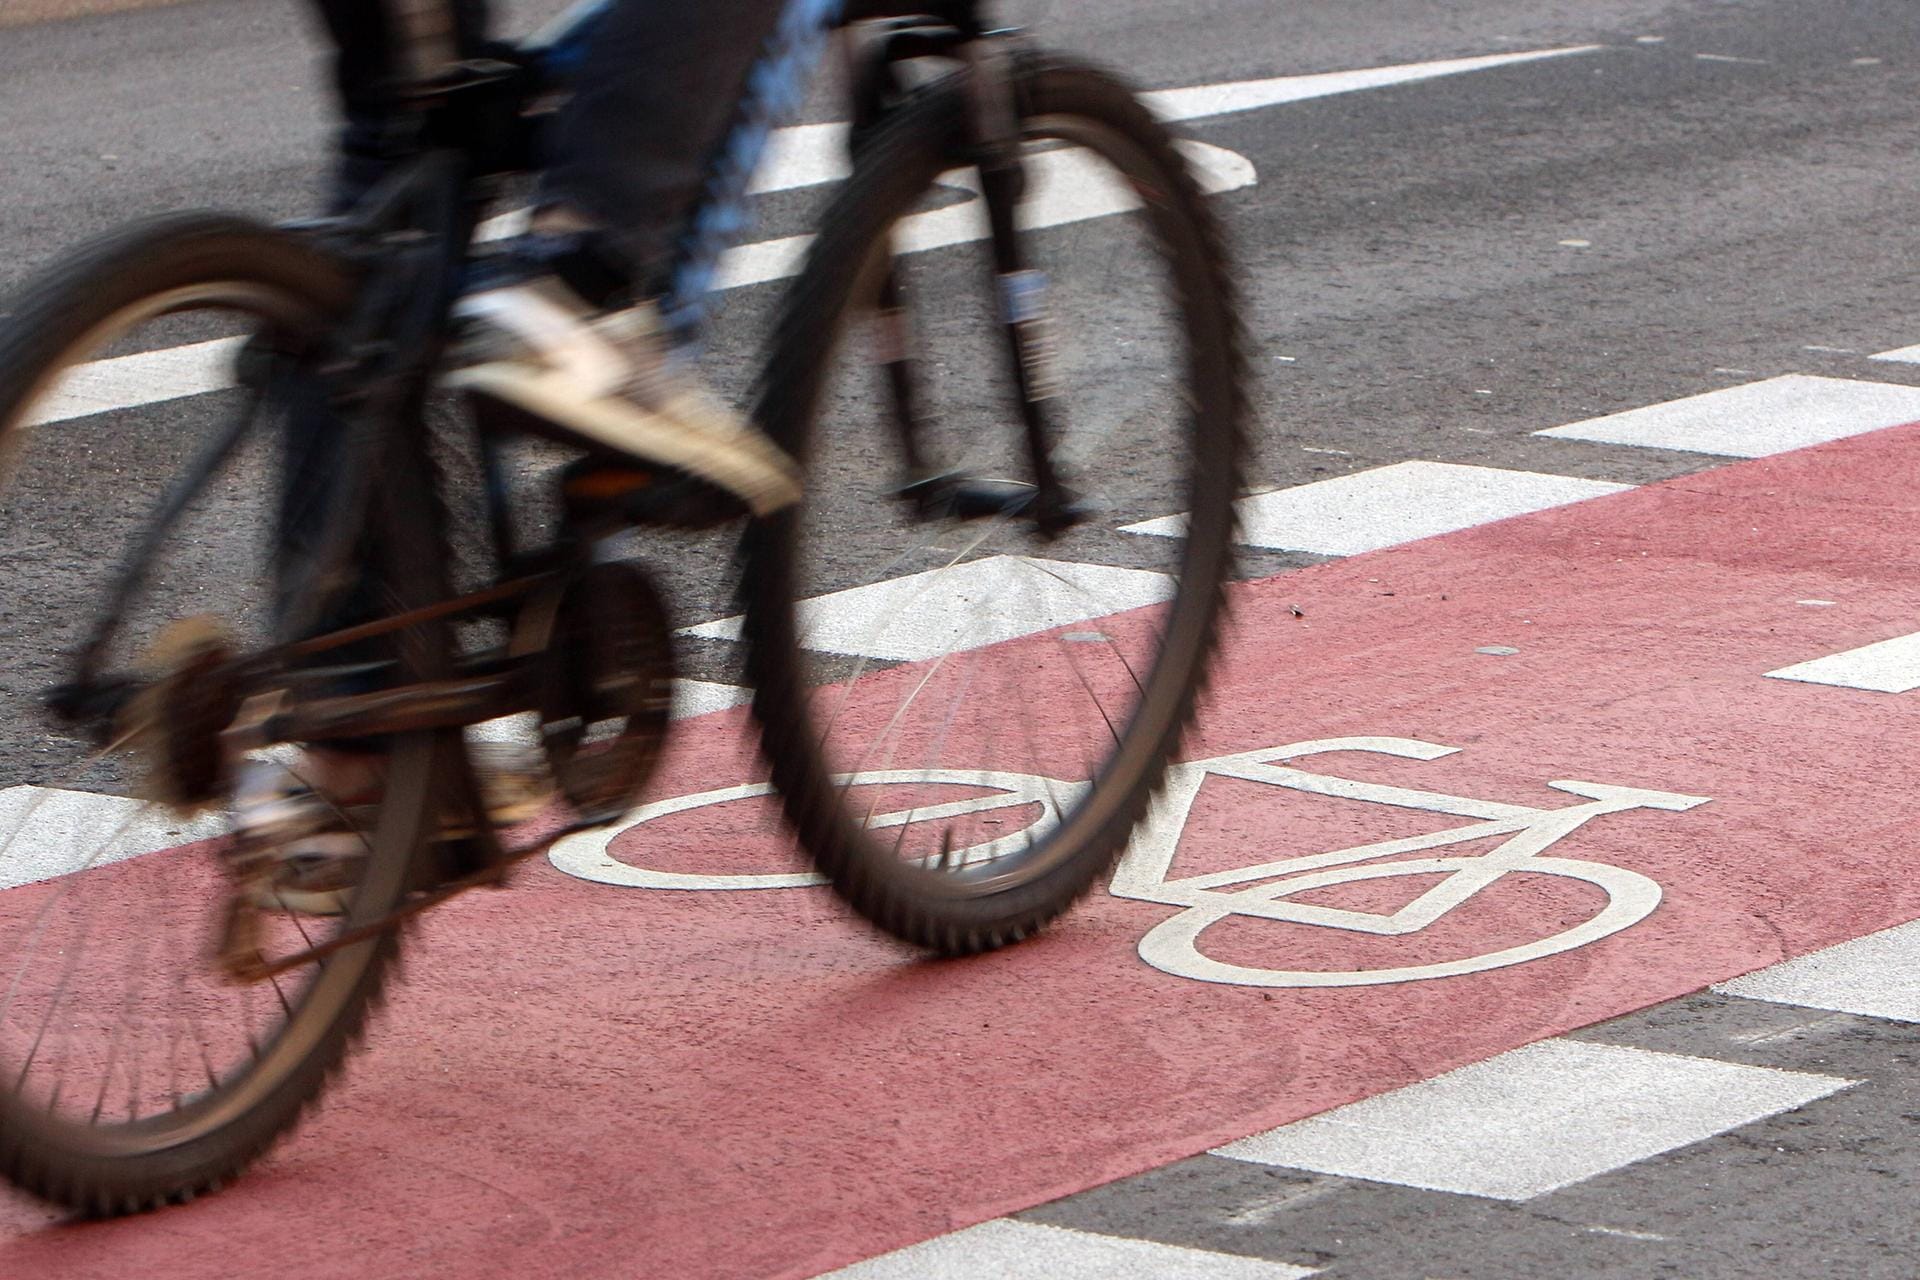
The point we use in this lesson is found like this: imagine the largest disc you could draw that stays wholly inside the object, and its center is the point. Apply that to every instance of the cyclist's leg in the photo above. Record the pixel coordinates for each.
(315, 434)
(683, 70)
(363, 79)
(650, 160)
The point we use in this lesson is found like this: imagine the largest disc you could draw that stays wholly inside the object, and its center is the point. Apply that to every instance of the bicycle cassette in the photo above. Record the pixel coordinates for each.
(175, 722)
(607, 689)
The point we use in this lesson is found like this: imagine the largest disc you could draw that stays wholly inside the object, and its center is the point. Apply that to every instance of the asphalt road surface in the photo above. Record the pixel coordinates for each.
(1672, 200)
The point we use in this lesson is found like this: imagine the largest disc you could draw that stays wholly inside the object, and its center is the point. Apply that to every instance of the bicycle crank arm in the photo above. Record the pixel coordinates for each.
(238, 953)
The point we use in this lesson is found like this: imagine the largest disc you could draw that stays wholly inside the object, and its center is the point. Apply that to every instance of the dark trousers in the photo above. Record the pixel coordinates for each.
(632, 146)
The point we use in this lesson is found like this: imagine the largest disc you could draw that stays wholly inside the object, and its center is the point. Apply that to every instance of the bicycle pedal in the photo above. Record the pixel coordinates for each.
(959, 496)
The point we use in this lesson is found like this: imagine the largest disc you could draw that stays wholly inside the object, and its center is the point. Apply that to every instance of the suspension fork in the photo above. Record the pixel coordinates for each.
(994, 143)
(994, 124)
(875, 82)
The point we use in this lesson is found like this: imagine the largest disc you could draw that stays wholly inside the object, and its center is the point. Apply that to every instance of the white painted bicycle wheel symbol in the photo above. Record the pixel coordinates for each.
(1267, 891)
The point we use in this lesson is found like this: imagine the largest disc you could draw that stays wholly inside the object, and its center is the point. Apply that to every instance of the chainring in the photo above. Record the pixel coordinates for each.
(608, 693)
(174, 723)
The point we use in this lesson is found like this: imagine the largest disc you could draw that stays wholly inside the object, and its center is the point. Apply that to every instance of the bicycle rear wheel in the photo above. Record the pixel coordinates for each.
(967, 713)
(135, 1066)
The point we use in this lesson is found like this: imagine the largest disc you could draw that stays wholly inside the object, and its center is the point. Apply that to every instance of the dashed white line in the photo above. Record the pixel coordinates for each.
(808, 155)
(1758, 419)
(1877, 976)
(1386, 506)
(1532, 1120)
(963, 606)
(1006, 1249)
(124, 382)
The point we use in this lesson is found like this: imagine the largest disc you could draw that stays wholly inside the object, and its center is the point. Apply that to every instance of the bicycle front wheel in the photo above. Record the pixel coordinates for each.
(140, 492)
(965, 705)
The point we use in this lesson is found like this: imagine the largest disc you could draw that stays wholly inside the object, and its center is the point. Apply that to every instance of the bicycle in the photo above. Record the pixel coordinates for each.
(161, 1023)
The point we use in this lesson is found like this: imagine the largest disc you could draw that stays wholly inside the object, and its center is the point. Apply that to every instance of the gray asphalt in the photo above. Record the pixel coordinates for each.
(1741, 214)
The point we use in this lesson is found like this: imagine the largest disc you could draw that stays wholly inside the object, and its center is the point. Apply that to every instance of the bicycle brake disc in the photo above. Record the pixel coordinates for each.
(608, 690)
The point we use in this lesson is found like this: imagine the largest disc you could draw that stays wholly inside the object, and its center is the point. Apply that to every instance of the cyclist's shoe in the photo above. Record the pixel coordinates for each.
(609, 382)
(304, 844)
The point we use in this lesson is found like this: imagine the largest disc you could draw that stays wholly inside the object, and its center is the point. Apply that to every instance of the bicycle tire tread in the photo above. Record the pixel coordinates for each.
(800, 352)
(84, 290)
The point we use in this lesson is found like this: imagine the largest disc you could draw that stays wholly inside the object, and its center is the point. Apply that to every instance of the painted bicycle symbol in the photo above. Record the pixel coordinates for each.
(1269, 890)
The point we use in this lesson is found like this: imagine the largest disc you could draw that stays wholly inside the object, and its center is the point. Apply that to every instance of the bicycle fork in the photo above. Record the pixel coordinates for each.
(1020, 289)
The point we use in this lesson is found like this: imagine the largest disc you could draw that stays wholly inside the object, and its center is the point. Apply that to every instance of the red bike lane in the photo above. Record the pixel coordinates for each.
(582, 1079)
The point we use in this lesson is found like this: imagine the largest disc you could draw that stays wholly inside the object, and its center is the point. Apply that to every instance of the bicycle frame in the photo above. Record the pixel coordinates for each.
(952, 29)
(410, 236)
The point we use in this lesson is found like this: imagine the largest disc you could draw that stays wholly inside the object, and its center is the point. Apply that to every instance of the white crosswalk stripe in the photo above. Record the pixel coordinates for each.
(1387, 506)
(939, 611)
(1756, 420)
(1534, 1119)
(1889, 666)
(1008, 1250)
(1877, 976)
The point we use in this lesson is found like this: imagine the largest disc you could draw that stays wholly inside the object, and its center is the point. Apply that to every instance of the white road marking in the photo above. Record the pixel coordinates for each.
(1877, 976)
(587, 855)
(1900, 355)
(123, 382)
(1267, 891)
(964, 606)
(49, 832)
(1891, 666)
(1386, 506)
(1208, 100)
(1006, 1249)
(1272, 890)
(699, 697)
(1534, 1119)
(1756, 420)
(1069, 187)
(809, 155)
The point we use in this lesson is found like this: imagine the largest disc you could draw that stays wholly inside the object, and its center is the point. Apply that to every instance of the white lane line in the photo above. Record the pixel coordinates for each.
(1006, 1249)
(1891, 666)
(964, 606)
(1758, 419)
(122, 382)
(1535, 1119)
(1877, 976)
(1068, 187)
(1386, 506)
(60, 832)
(1203, 101)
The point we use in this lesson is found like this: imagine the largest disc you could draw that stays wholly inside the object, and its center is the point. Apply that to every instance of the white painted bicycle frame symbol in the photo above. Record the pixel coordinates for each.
(1265, 891)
